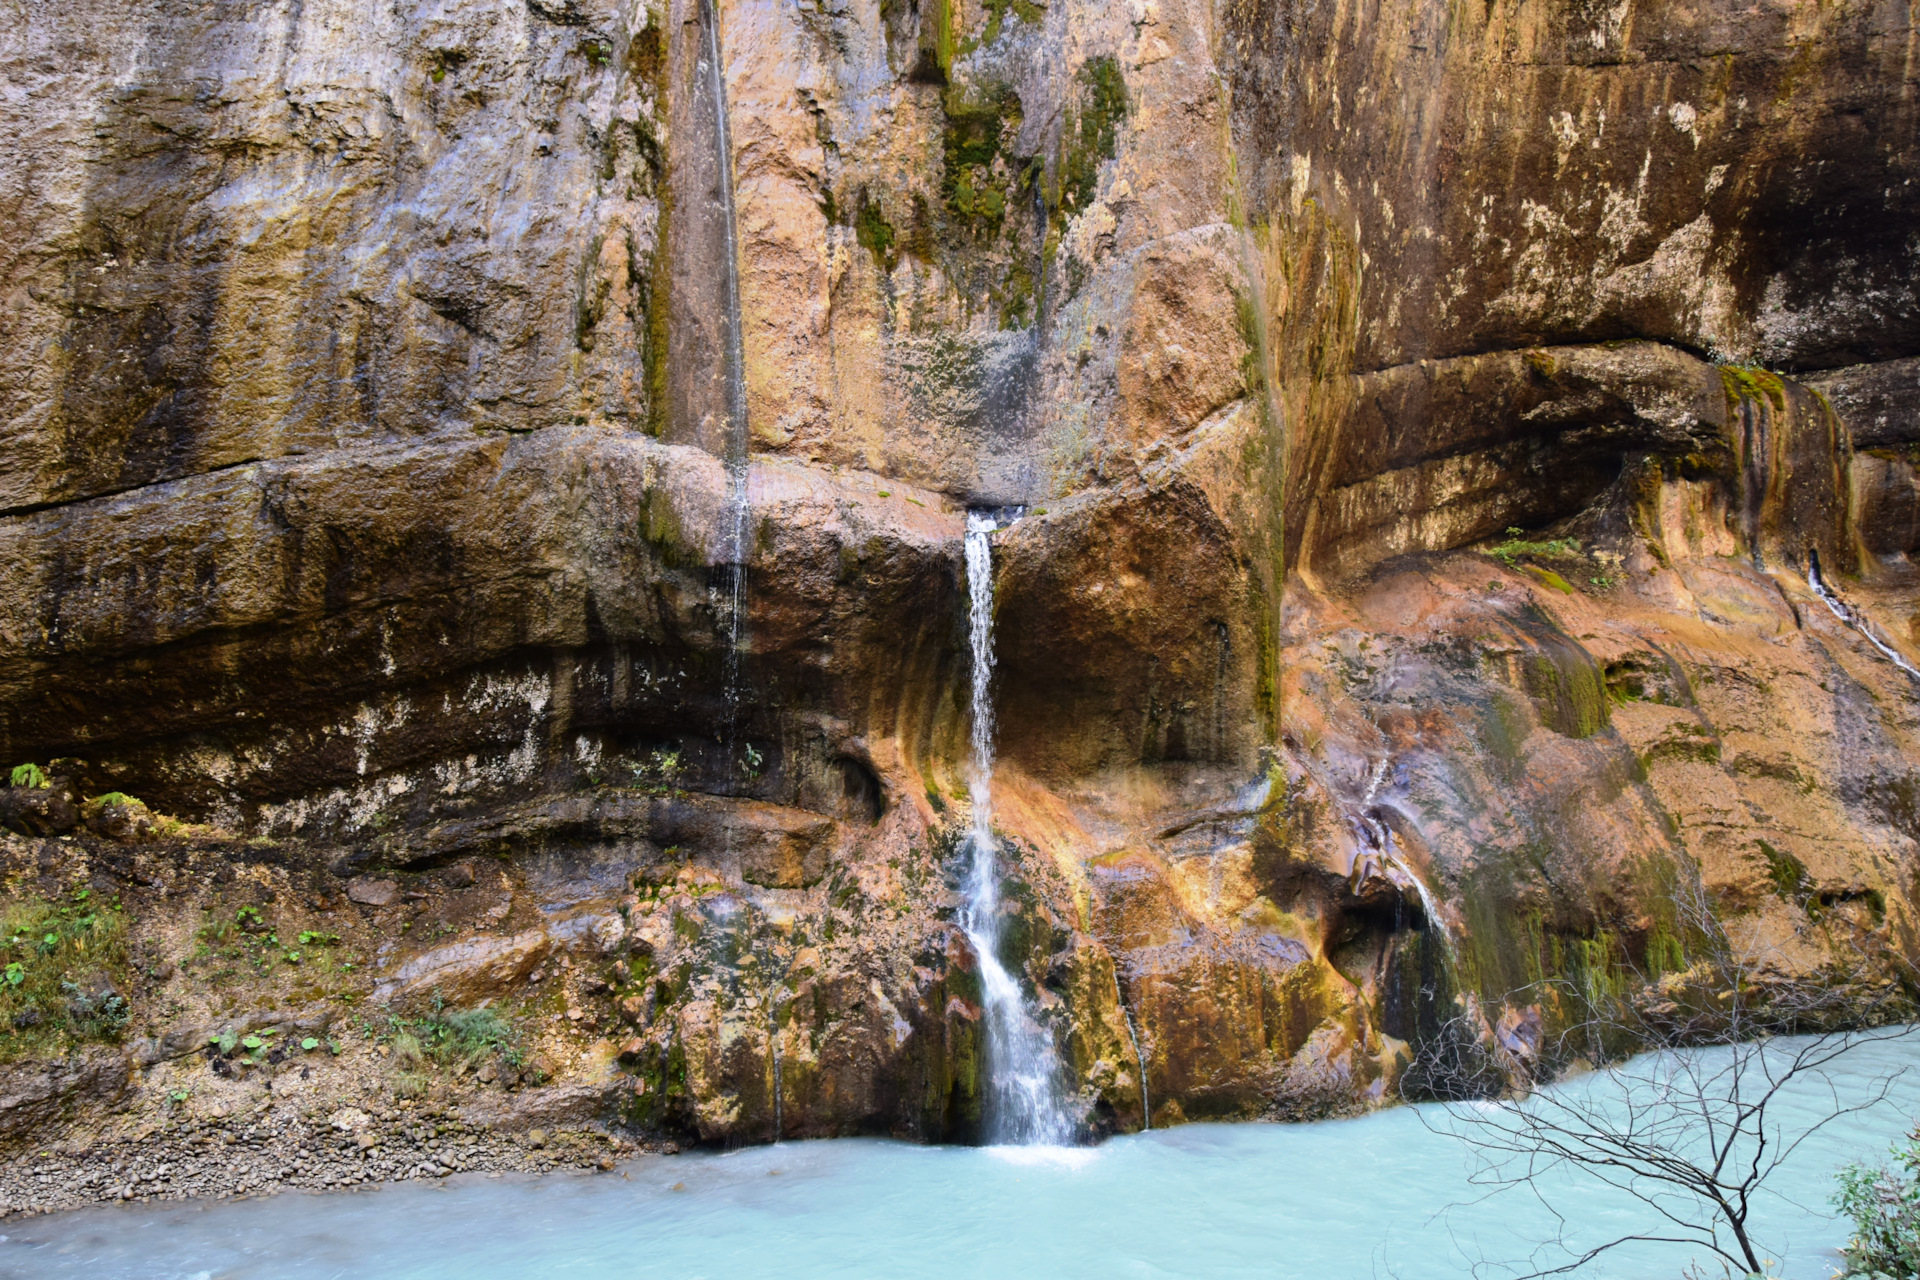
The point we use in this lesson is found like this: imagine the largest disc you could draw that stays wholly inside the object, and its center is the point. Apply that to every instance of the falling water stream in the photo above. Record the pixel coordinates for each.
(1377, 834)
(1024, 1104)
(737, 437)
(1851, 616)
(737, 461)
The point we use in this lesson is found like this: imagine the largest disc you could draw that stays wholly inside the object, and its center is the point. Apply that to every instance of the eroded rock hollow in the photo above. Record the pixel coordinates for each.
(1470, 461)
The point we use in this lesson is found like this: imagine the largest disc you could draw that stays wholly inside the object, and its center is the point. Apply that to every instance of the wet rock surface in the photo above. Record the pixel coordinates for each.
(1427, 437)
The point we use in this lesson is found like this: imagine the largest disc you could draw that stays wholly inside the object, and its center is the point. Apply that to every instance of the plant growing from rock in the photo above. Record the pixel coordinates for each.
(450, 1039)
(63, 968)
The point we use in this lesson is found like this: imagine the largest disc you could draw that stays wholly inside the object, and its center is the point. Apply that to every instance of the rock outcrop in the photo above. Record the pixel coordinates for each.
(1447, 439)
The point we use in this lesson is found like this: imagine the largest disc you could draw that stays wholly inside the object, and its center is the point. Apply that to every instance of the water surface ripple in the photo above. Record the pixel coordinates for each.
(1382, 1195)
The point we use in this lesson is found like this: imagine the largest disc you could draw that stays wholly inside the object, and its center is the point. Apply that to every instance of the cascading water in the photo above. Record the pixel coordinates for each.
(1851, 616)
(1139, 1054)
(1376, 834)
(737, 438)
(738, 466)
(1024, 1106)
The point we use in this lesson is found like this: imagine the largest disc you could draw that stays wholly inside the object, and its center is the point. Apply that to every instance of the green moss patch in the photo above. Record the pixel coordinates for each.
(1091, 133)
(1748, 383)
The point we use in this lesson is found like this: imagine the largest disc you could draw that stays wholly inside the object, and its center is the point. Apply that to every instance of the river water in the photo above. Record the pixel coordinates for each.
(1383, 1195)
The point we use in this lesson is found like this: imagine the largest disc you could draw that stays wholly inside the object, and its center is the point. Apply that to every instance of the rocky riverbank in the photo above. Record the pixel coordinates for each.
(266, 1152)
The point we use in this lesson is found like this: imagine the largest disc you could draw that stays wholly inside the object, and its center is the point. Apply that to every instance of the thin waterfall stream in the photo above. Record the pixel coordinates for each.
(1024, 1102)
(737, 437)
(738, 465)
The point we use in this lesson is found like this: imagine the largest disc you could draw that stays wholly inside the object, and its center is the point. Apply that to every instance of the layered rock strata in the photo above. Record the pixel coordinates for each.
(1429, 425)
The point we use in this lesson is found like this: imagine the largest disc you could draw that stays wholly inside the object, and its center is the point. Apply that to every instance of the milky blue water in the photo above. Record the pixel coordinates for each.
(1384, 1195)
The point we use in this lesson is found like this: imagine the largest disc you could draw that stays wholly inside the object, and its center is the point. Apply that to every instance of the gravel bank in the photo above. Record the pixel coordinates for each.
(264, 1154)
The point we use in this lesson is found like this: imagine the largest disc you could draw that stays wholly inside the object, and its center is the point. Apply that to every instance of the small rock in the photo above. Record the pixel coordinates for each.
(537, 1139)
(369, 892)
(348, 1120)
(37, 811)
(122, 819)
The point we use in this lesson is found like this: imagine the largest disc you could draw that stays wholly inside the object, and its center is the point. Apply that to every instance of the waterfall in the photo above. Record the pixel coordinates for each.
(735, 356)
(773, 1044)
(1851, 616)
(1024, 1106)
(1375, 833)
(1139, 1054)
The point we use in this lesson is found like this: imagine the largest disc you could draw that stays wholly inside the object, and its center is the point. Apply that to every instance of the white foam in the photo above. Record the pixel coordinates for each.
(1046, 1156)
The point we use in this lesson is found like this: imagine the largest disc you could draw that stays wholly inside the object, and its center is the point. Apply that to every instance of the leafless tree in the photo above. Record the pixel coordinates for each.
(1693, 1128)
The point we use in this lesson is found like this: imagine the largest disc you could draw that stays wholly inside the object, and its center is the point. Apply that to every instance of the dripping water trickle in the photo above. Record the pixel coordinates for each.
(773, 1043)
(1851, 616)
(1024, 1104)
(737, 438)
(1376, 833)
(1139, 1054)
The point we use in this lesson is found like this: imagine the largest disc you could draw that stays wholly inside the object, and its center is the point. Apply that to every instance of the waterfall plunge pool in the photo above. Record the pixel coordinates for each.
(1381, 1195)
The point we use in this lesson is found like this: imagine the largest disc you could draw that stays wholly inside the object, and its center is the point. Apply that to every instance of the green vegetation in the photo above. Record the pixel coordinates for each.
(1091, 133)
(1517, 545)
(661, 772)
(454, 1038)
(458, 1040)
(65, 967)
(874, 232)
(977, 178)
(1548, 578)
(251, 943)
(1788, 873)
(29, 775)
(1884, 1203)
(1024, 10)
(1746, 382)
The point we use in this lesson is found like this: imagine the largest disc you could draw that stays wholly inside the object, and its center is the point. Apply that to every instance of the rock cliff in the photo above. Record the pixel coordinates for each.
(1471, 461)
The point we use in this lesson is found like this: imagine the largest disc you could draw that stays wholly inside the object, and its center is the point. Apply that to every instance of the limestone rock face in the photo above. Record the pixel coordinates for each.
(1435, 436)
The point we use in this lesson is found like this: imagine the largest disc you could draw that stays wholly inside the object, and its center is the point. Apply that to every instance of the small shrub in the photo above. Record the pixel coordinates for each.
(29, 775)
(1884, 1203)
(452, 1038)
(408, 1053)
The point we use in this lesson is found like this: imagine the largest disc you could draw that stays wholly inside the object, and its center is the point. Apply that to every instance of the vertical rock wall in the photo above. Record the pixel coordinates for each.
(361, 501)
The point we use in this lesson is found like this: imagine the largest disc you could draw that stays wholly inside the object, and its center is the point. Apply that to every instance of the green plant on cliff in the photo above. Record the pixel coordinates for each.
(874, 232)
(64, 975)
(975, 177)
(1518, 544)
(1884, 1203)
(29, 775)
(454, 1038)
(1091, 133)
(1025, 10)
